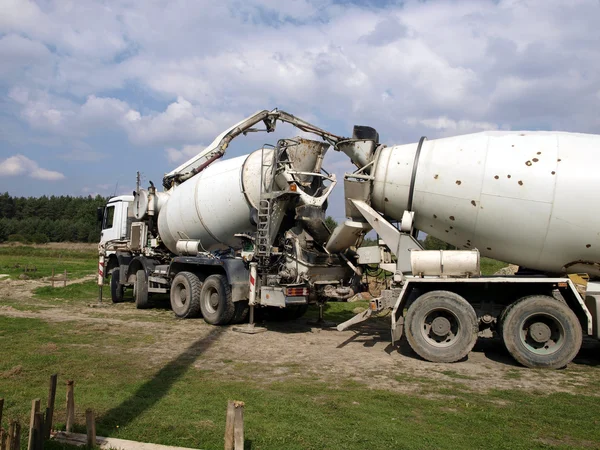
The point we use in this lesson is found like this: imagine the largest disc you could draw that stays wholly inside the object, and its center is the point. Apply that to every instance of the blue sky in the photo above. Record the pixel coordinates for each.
(92, 91)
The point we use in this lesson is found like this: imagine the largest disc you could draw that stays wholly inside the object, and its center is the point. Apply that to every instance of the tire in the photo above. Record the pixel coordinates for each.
(117, 290)
(141, 290)
(215, 301)
(185, 295)
(541, 332)
(241, 312)
(441, 326)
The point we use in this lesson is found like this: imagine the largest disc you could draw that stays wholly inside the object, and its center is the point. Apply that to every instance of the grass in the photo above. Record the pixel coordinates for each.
(181, 403)
(38, 263)
(490, 266)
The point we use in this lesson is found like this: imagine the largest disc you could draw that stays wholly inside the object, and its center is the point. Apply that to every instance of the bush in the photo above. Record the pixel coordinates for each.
(39, 238)
(17, 238)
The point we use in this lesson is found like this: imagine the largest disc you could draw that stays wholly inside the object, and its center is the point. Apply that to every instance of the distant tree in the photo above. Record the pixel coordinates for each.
(331, 223)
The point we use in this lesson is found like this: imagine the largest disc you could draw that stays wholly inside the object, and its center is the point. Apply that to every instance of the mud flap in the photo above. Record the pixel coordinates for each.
(397, 330)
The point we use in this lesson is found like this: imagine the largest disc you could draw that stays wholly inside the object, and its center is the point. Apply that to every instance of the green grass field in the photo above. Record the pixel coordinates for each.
(180, 399)
(38, 262)
(178, 403)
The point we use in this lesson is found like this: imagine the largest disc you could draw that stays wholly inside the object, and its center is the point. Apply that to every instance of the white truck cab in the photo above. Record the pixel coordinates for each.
(114, 218)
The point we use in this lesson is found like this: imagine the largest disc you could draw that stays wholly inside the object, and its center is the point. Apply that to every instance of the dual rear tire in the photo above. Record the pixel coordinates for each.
(539, 331)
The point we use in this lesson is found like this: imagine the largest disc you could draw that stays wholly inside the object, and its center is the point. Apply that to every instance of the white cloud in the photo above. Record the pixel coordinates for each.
(179, 156)
(21, 165)
(76, 71)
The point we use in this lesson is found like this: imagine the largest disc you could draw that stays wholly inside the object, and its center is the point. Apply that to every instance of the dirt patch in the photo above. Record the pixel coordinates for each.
(48, 348)
(12, 373)
(294, 350)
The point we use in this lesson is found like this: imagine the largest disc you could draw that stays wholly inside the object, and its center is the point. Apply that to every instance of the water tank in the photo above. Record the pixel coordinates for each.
(529, 198)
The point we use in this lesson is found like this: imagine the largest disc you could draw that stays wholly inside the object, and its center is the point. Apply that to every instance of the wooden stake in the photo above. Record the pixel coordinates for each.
(17, 439)
(239, 426)
(229, 425)
(90, 428)
(11, 435)
(65, 279)
(2, 439)
(50, 408)
(35, 408)
(1, 408)
(70, 406)
(38, 431)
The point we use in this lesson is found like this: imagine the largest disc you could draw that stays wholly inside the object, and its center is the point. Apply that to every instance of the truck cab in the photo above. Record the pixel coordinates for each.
(114, 218)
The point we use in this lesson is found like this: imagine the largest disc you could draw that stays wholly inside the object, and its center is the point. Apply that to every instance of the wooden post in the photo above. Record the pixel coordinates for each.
(90, 428)
(50, 408)
(1, 408)
(38, 431)
(53, 277)
(35, 408)
(11, 435)
(70, 406)
(17, 439)
(65, 279)
(238, 426)
(229, 425)
(2, 439)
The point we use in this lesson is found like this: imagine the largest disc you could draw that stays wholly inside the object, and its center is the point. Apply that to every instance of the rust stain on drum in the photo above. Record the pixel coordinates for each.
(535, 160)
(451, 217)
(520, 183)
(528, 163)
(435, 177)
(458, 182)
(496, 177)
(588, 245)
(474, 203)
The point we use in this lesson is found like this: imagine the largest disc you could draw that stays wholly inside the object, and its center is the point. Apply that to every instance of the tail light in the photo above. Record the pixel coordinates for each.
(296, 292)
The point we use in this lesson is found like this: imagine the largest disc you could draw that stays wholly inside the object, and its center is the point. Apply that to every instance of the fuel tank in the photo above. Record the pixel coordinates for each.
(529, 198)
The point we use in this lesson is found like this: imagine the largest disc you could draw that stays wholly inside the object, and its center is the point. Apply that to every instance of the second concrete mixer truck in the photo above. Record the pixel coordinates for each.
(225, 236)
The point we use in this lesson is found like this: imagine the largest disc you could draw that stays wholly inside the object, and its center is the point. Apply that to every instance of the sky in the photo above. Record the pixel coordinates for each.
(93, 91)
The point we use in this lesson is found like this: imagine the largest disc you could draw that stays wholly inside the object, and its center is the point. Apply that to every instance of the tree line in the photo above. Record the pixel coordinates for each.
(49, 219)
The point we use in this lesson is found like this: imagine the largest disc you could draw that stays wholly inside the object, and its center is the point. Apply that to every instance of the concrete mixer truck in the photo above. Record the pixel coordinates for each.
(226, 236)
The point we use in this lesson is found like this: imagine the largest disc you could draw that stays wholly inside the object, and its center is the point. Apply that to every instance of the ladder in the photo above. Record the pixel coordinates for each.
(265, 206)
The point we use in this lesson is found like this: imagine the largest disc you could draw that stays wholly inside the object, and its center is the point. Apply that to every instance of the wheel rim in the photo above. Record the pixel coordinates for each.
(180, 295)
(211, 300)
(440, 328)
(542, 334)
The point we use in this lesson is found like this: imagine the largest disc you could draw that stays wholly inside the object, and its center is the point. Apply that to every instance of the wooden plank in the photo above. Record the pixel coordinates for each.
(38, 431)
(11, 435)
(35, 407)
(107, 443)
(50, 408)
(90, 428)
(70, 406)
(17, 439)
(229, 425)
(238, 426)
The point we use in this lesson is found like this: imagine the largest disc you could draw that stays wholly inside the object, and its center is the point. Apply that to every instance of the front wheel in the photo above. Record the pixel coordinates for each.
(541, 332)
(215, 301)
(441, 326)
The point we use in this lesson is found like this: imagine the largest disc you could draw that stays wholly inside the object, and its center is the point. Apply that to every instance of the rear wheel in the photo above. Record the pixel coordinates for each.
(141, 290)
(117, 290)
(441, 326)
(541, 332)
(215, 301)
(185, 295)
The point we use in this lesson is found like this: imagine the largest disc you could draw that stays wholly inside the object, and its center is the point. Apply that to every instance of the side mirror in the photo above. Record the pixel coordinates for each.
(99, 214)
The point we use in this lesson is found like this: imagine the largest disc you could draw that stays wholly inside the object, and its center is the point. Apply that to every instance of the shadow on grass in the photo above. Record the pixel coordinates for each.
(157, 387)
